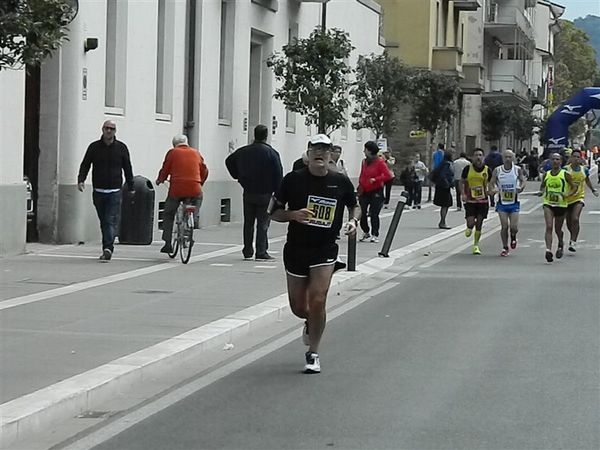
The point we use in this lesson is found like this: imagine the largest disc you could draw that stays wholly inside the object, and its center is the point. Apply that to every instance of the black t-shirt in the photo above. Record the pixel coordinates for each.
(326, 196)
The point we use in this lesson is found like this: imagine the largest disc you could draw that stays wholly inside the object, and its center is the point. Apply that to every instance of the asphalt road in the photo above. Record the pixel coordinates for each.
(474, 352)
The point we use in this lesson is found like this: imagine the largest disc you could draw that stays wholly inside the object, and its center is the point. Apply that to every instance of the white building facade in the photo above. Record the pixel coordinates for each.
(159, 68)
(12, 189)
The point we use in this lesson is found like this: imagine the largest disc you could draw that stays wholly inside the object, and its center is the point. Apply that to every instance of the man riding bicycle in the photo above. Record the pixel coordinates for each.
(188, 173)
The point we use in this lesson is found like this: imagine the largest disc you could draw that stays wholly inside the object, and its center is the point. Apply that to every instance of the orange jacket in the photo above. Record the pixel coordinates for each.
(186, 169)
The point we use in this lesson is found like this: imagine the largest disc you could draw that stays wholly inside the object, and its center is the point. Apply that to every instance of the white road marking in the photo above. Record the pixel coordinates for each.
(221, 265)
(76, 287)
(265, 267)
(118, 426)
(114, 258)
(594, 213)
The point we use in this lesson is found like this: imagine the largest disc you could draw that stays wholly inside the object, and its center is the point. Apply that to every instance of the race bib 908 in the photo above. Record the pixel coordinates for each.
(323, 211)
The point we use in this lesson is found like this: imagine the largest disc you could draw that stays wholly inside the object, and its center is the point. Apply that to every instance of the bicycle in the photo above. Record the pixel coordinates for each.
(182, 239)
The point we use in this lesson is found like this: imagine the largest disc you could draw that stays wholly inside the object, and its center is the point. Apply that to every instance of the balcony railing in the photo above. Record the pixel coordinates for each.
(467, 5)
(509, 84)
(447, 59)
(472, 83)
(509, 16)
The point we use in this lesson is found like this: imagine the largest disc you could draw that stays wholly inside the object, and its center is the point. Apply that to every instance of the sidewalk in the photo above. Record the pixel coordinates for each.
(75, 330)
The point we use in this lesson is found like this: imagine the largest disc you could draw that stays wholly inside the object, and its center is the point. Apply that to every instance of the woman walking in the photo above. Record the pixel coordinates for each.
(444, 180)
(374, 173)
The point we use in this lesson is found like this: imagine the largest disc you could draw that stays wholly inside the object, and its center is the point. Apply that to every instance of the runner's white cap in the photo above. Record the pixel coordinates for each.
(320, 139)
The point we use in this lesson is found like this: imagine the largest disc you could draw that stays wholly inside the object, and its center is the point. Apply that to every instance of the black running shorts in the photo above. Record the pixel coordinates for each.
(477, 209)
(299, 260)
(557, 210)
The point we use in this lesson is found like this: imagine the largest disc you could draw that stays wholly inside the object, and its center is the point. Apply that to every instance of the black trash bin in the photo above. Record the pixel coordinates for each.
(137, 213)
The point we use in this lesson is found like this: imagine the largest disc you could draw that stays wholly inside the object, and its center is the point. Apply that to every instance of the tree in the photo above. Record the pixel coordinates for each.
(315, 77)
(31, 30)
(495, 119)
(433, 100)
(381, 86)
(577, 67)
(521, 123)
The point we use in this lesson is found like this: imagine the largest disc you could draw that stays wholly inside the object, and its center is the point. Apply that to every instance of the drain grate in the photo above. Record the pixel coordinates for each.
(96, 414)
(152, 291)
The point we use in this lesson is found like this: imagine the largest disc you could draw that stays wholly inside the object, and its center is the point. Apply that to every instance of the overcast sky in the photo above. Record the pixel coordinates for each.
(579, 8)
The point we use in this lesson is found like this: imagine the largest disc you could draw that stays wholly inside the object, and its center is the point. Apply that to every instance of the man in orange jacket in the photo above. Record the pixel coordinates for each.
(187, 173)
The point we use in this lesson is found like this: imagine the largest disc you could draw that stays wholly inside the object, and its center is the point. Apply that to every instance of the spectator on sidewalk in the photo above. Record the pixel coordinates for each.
(257, 167)
(336, 163)
(459, 165)
(533, 164)
(493, 160)
(109, 159)
(185, 168)
(408, 178)
(422, 172)
(437, 157)
(374, 173)
(301, 162)
(390, 161)
(443, 177)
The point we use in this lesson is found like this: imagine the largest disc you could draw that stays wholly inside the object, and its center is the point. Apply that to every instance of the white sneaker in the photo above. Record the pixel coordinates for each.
(305, 339)
(312, 363)
(374, 239)
(365, 237)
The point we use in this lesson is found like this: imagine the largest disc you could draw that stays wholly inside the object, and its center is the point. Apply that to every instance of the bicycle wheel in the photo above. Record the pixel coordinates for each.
(187, 237)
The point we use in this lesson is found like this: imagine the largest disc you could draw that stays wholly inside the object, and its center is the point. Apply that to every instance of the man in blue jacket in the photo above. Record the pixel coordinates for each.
(257, 167)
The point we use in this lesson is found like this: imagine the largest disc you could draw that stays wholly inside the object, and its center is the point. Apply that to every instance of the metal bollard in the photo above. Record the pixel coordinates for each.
(352, 252)
(391, 232)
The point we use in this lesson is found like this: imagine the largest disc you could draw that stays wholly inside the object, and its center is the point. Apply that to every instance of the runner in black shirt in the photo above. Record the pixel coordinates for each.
(315, 198)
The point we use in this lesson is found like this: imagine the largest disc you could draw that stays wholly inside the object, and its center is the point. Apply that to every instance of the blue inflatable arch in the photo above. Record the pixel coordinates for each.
(557, 127)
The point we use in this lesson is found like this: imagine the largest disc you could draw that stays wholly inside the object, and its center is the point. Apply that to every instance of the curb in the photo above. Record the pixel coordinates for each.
(33, 412)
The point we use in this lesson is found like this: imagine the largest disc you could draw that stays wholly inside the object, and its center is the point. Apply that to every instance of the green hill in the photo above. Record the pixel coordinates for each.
(591, 25)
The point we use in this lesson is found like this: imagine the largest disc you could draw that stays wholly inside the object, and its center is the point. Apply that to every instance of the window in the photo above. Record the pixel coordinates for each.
(226, 62)
(164, 58)
(116, 55)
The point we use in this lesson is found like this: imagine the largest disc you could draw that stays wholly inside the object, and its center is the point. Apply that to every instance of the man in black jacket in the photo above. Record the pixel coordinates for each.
(257, 167)
(109, 158)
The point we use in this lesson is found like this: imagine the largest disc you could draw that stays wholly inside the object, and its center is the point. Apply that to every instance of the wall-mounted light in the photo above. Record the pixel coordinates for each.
(90, 44)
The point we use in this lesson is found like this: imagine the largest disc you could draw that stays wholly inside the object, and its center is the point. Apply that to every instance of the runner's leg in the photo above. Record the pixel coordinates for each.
(297, 295)
(574, 216)
(319, 280)
(549, 219)
(514, 228)
(504, 229)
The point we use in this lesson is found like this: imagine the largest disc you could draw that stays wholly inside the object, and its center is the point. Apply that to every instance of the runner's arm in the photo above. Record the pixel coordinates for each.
(592, 188)
(573, 190)
(493, 182)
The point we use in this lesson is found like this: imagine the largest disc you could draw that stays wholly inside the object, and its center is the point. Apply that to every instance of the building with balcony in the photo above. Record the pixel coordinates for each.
(161, 68)
(509, 49)
(431, 34)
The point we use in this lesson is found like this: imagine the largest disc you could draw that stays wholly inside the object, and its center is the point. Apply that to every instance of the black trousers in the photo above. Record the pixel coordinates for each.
(370, 205)
(255, 210)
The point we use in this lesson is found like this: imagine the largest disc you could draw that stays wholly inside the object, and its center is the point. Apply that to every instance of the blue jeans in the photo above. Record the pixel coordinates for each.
(108, 207)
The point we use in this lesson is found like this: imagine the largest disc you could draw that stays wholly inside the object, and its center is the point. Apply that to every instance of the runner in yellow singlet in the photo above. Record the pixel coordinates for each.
(474, 194)
(557, 185)
(581, 176)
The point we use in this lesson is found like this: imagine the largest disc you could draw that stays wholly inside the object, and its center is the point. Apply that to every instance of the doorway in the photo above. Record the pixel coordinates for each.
(259, 85)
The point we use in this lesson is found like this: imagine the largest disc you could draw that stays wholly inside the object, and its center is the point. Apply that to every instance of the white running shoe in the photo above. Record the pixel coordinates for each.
(305, 339)
(374, 239)
(365, 237)
(312, 363)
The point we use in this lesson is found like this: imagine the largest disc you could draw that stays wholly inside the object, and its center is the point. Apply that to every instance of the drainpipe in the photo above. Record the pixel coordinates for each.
(190, 123)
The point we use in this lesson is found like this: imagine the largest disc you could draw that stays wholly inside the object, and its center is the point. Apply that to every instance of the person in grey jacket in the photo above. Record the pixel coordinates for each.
(257, 167)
